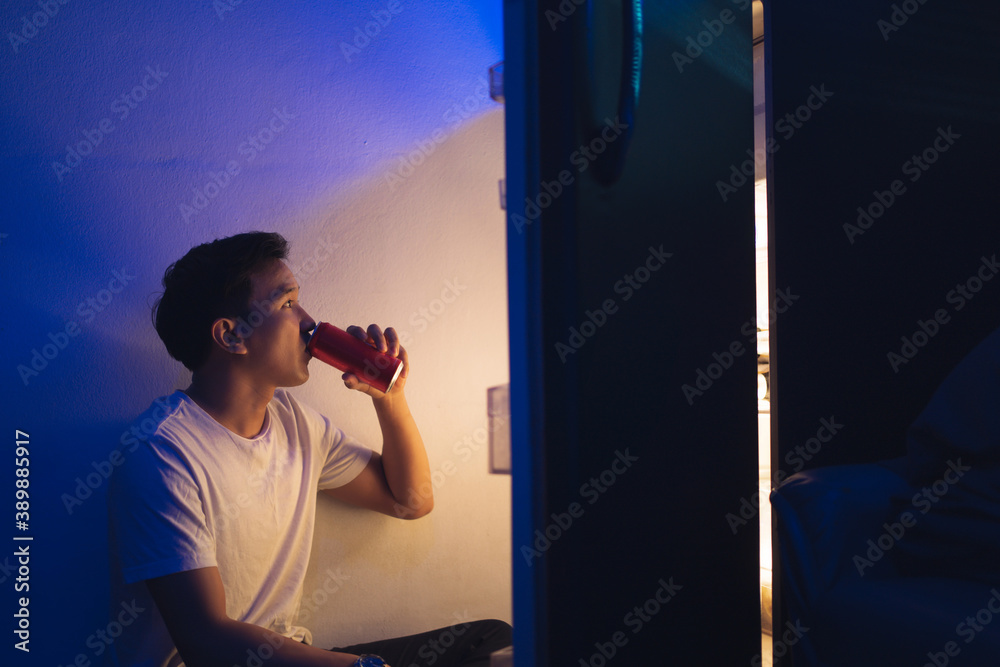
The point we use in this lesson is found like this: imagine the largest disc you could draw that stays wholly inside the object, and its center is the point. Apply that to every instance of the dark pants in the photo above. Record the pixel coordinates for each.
(460, 645)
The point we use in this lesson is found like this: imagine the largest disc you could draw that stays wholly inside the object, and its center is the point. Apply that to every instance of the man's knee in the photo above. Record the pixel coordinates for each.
(495, 634)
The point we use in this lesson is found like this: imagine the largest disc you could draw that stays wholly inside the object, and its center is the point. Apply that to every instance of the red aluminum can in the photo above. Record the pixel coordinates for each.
(351, 355)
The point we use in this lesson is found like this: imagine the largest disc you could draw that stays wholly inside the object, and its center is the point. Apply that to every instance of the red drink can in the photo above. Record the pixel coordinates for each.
(352, 355)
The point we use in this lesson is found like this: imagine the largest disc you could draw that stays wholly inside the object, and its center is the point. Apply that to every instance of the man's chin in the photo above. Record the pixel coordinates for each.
(297, 381)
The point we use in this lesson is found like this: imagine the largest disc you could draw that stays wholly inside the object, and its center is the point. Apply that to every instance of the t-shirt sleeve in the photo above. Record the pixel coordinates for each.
(158, 516)
(345, 460)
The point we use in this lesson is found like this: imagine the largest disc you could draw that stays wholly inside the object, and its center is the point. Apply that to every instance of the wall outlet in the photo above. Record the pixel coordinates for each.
(498, 410)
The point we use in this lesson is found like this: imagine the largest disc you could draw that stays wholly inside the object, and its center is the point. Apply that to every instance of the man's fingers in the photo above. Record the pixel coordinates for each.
(384, 341)
(352, 381)
(358, 332)
(392, 342)
(376, 336)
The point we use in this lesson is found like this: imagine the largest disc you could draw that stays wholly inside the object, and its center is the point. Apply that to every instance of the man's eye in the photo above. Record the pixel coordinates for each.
(289, 303)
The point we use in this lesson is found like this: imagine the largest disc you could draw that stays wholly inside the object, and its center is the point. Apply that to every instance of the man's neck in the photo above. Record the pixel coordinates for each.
(235, 403)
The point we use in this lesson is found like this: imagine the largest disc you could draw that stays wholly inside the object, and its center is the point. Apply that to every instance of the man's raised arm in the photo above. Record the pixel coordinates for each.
(398, 482)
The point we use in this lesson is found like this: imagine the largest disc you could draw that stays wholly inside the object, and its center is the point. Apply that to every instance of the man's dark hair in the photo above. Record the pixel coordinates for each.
(212, 280)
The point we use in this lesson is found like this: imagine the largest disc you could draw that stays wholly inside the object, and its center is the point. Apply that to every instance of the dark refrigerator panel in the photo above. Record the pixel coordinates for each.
(632, 288)
(883, 220)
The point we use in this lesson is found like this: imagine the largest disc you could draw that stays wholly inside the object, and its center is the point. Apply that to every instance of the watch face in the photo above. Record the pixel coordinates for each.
(370, 661)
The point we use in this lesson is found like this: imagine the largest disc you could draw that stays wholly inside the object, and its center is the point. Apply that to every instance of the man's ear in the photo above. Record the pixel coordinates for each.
(226, 334)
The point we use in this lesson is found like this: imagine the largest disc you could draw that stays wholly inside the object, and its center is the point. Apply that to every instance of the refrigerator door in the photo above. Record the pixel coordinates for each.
(884, 120)
(633, 361)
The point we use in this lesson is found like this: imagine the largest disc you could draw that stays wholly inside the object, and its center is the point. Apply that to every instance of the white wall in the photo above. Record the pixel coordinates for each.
(423, 252)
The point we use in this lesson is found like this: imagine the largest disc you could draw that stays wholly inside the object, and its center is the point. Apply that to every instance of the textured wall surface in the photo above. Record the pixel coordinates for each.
(364, 133)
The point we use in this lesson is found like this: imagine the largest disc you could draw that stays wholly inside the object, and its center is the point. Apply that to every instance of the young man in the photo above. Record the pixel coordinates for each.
(212, 511)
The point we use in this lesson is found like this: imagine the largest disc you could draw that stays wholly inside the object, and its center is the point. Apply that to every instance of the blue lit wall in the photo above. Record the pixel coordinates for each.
(363, 132)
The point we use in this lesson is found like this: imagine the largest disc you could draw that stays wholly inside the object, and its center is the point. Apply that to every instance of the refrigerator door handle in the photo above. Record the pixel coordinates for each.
(608, 167)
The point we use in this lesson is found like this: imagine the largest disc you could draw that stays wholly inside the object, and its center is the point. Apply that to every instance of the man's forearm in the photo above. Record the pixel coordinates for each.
(237, 643)
(404, 458)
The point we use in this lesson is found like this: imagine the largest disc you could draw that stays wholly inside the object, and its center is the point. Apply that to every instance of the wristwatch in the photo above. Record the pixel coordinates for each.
(370, 660)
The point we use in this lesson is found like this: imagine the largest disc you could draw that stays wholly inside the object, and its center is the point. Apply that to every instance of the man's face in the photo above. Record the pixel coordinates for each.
(276, 349)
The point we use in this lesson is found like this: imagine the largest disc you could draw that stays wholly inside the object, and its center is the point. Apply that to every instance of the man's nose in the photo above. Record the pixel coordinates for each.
(307, 323)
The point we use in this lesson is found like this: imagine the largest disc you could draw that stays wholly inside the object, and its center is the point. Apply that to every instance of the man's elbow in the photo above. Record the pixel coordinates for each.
(425, 509)
(413, 511)
(422, 510)
(197, 643)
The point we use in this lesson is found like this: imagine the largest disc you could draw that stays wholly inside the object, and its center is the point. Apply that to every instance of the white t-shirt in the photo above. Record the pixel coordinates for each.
(194, 494)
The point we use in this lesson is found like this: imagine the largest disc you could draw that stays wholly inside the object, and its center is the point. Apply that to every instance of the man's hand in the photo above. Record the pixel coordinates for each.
(387, 342)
